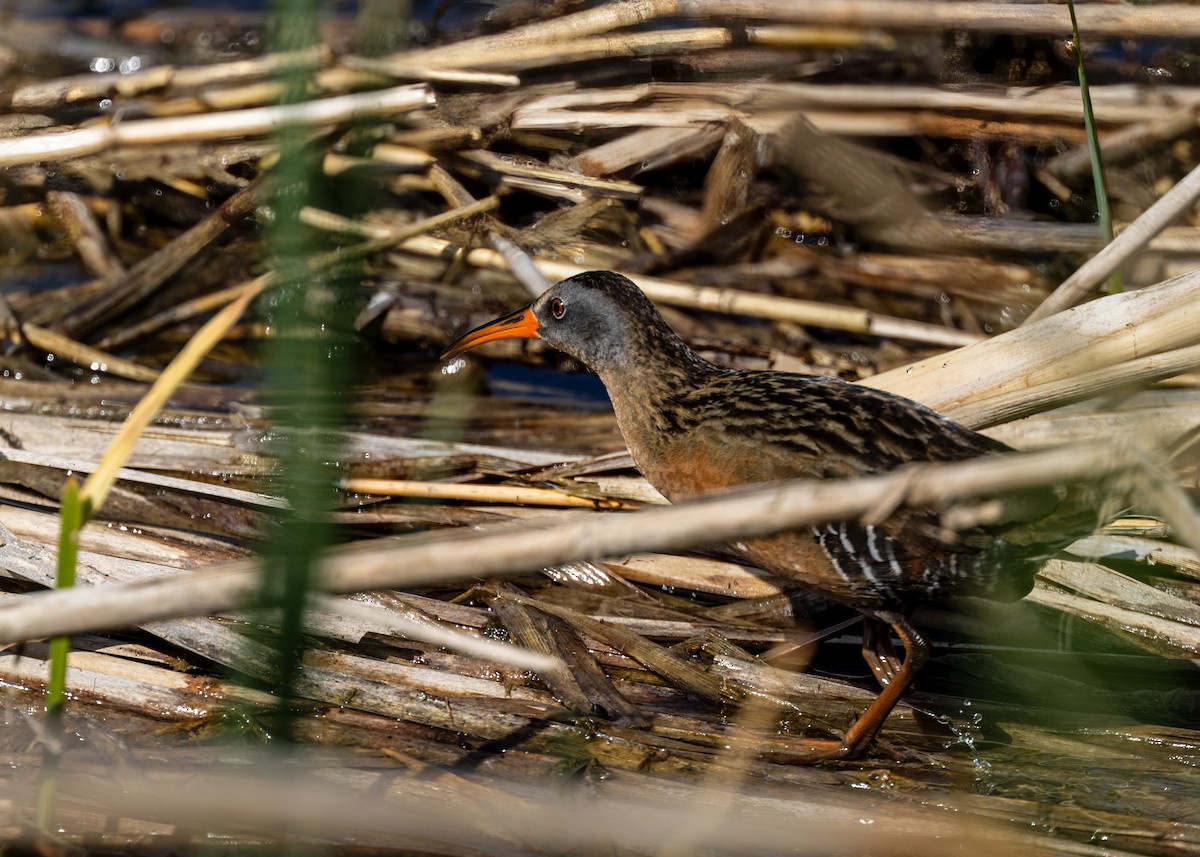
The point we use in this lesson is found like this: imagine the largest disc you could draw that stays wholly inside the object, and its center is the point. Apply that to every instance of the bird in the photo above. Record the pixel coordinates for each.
(694, 428)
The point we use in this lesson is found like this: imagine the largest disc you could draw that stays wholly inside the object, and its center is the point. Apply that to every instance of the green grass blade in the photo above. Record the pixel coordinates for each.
(1089, 123)
(72, 517)
(308, 368)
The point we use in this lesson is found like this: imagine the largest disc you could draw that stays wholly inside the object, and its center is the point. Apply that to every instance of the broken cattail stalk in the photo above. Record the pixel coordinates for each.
(750, 513)
(60, 145)
(518, 494)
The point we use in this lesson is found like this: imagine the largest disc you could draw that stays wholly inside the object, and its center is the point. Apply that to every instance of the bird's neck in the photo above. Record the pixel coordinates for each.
(648, 395)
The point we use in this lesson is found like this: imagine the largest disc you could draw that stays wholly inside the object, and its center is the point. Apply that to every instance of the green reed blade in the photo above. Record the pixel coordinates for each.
(1089, 123)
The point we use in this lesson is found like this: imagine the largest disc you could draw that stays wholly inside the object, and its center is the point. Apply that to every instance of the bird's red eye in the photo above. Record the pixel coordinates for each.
(557, 308)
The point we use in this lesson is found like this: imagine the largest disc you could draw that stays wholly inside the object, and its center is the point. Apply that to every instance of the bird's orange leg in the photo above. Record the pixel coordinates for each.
(859, 736)
(878, 651)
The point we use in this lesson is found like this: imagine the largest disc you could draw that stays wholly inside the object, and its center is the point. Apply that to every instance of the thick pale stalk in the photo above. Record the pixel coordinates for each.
(1107, 332)
(428, 561)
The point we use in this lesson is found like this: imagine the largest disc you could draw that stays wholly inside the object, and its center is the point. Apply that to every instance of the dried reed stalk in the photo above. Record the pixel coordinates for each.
(518, 494)
(224, 493)
(1105, 333)
(387, 621)
(1164, 19)
(66, 348)
(92, 140)
(1014, 404)
(43, 95)
(746, 514)
(1113, 104)
(731, 300)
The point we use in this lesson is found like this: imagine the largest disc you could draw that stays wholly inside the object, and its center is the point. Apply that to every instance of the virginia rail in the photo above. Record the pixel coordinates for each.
(695, 428)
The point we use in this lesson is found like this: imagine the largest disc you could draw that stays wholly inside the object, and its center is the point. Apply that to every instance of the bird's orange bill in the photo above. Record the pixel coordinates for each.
(522, 324)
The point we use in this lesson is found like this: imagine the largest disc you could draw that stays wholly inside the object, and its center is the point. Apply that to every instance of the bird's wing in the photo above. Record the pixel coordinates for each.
(765, 427)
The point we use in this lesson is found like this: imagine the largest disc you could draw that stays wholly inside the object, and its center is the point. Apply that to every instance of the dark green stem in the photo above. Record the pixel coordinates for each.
(308, 371)
(72, 517)
(1089, 122)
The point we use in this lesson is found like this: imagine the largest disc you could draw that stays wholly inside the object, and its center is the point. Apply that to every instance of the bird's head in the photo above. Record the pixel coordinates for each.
(598, 317)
